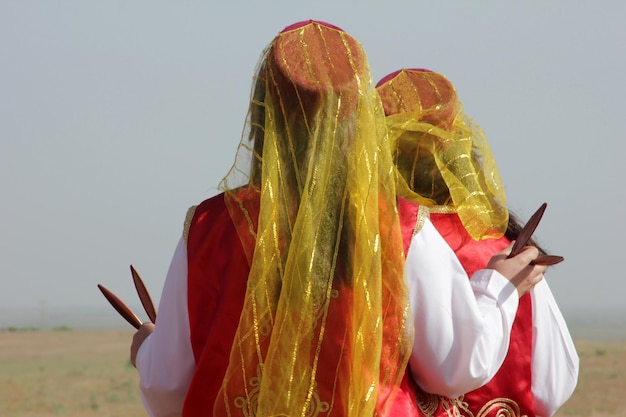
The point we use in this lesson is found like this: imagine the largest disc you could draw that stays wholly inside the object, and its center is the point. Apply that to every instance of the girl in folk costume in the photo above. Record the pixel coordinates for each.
(287, 295)
(445, 164)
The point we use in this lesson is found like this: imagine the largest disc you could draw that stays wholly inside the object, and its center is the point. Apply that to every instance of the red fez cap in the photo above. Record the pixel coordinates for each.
(419, 90)
(310, 58)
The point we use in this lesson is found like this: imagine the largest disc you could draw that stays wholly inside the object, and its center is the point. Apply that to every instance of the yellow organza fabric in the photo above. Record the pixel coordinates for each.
(325, 319)
(452, 169)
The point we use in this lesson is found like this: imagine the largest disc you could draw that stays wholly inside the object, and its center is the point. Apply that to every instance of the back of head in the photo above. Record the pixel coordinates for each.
(307, 88)
(443, 158)
(428, 98)
(327, 232)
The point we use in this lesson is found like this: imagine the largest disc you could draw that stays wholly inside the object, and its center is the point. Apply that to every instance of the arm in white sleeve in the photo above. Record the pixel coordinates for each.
(554, 359)
(165, 359)
(462, 326)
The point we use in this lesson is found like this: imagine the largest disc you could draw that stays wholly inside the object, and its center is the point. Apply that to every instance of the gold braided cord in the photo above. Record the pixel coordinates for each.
(450, 167)
(324, 323)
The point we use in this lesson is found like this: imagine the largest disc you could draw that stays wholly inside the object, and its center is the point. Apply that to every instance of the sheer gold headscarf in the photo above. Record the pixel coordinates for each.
(442, 156)
(324, 324)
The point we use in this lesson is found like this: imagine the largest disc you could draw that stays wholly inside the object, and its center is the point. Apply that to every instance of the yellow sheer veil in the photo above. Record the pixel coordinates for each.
(443, 158)
(315, 163)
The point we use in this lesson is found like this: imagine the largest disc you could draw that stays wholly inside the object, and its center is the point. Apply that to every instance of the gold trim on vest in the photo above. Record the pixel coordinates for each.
(190, 212)
(423, 213)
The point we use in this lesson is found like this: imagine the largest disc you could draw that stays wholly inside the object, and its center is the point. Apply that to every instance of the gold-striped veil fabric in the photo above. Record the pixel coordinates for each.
(324, 324)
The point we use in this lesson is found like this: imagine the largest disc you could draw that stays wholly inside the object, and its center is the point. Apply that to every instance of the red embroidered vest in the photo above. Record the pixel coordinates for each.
(217, 274)
(509, 392)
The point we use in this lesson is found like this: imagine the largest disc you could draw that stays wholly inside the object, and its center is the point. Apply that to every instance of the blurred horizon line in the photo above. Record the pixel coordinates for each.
(588, 323)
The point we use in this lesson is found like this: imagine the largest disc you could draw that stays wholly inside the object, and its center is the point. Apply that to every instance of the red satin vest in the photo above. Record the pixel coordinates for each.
(509, 392)
(217, 273)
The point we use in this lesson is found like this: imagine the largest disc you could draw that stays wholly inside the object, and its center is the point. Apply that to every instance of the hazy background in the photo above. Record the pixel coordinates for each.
(117, 116)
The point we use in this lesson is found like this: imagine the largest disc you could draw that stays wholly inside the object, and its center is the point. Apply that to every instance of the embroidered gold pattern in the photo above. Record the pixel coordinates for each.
(429, 404)
(249, 404)
(501, 407)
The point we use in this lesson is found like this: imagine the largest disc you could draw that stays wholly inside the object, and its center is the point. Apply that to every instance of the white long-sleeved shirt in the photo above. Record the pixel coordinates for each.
(462, 329)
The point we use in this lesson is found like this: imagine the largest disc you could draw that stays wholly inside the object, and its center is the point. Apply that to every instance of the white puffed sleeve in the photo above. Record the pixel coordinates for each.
(554, 361)
(165, 359)
(462, 326)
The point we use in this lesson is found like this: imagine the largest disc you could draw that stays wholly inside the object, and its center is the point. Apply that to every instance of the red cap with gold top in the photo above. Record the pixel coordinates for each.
(310, 58)
(442, 156)
(421, 90)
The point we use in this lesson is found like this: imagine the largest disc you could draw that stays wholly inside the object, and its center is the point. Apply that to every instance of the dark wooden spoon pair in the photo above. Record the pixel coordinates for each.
(124, 310)
(525, 235)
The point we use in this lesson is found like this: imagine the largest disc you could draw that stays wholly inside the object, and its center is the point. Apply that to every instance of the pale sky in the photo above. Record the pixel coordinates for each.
(117, 116)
